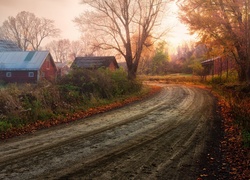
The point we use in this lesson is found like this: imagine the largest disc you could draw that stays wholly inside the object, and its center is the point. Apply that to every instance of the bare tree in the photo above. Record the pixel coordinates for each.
(60, 50)
(89, 42)
(117, 21)
(65, 51)
(27, 30)
(76, 49)
(43, 28)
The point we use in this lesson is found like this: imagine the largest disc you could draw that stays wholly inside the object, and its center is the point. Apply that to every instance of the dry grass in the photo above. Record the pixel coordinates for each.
(173, 79)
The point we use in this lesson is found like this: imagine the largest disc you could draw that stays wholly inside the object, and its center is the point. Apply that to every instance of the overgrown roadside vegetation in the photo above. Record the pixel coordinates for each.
(234, 103)
(236, 97)
(26, 108)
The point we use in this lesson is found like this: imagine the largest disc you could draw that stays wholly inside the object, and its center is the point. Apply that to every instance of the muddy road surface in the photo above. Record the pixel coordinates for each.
(162, 137)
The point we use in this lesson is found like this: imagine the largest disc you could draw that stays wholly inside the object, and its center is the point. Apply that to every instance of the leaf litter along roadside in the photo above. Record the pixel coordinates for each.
(226, 157)
(30, 128)
(236, 157)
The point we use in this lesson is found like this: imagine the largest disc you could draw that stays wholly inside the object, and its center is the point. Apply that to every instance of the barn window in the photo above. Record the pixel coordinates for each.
(8, 74)
(31, 74)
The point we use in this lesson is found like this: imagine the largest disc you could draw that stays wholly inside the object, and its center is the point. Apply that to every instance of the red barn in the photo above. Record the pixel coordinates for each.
(27, 66)
(218, 65)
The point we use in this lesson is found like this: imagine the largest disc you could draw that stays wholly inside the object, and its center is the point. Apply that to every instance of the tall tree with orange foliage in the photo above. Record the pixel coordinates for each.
(224, 23)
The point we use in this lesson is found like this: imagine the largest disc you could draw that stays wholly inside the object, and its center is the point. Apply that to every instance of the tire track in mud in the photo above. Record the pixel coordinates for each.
(156, 138)
(174, 154)
(49, 138)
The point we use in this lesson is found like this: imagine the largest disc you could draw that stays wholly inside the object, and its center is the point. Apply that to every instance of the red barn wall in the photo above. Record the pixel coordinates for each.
(218, 65)
(112, 66)
(48, 70)
(18, 77)
(222, 65)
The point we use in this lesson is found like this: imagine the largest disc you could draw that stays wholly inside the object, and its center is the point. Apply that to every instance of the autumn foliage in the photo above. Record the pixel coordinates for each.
(223, 26)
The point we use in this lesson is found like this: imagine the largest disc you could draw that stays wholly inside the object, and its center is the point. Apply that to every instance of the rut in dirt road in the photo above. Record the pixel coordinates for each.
(160, 138)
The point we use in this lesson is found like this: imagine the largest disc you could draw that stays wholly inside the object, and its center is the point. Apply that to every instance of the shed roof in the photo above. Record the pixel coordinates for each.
(60, 65)
(209, 61)
(6, 45)
(95, 62)
(22, 60)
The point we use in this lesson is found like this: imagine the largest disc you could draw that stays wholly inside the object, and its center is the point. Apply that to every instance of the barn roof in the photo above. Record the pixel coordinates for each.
(6, 45)
(22, 60)
(95, 62)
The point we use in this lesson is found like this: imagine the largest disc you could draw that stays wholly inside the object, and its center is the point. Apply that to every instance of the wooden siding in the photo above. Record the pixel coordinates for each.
(218, 65)
(19, 77)
(48, 70)
(95, 62)
(112, 66)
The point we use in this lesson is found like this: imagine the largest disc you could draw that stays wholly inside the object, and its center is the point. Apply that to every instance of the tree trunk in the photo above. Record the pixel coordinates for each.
(132, 67)
(131, 74)
(244, 73)
(243, 65)
(247, 72)
(241, 74)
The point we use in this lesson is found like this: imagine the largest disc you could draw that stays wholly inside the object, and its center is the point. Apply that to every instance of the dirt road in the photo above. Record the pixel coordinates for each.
(160, 138)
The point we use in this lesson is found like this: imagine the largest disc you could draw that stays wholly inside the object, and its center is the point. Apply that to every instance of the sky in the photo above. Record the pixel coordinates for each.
(64, 11)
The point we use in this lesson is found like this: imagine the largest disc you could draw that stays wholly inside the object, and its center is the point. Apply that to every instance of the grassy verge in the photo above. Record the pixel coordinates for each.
(173, 79)
(236, 96)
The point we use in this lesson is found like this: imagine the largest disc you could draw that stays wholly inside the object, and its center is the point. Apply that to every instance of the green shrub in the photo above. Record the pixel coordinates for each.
(14, 120)
(4, 126)
(45, 114)
(225, 78)
(101, 83)
(238, 96)
(246, 138)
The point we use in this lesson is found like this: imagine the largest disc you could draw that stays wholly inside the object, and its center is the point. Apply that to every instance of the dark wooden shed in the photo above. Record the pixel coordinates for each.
(96, 62)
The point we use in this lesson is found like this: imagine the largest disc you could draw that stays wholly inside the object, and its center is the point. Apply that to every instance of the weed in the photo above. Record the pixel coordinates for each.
(238, 97)
(246, 138)
(4, 126)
